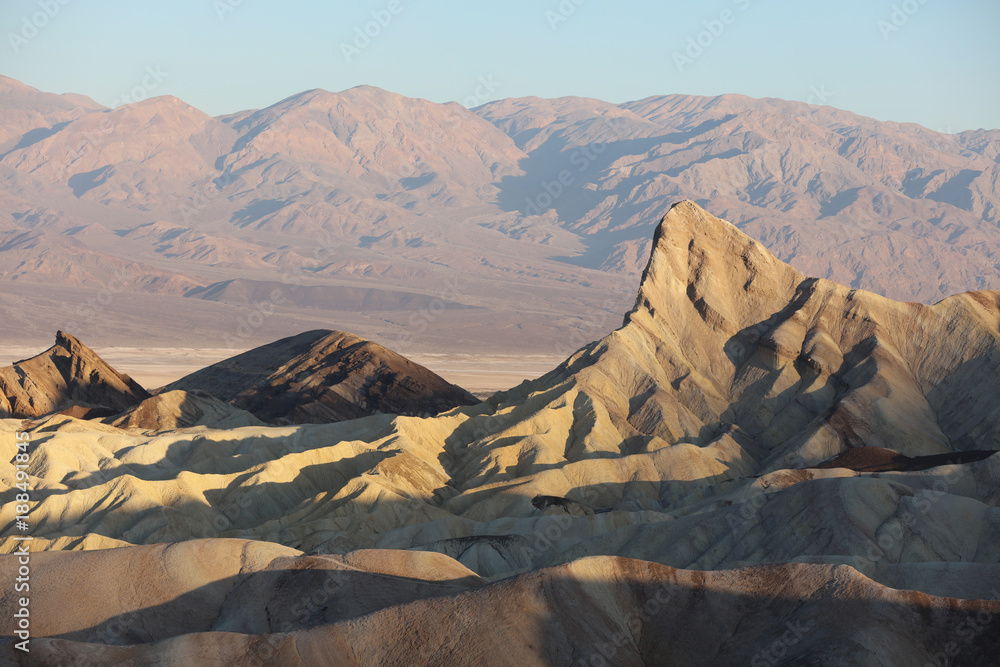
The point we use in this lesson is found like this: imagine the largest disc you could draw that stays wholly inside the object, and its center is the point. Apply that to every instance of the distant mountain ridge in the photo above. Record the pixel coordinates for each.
(540, 208)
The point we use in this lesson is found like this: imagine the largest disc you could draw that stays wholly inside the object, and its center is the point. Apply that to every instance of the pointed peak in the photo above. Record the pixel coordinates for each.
(701, 261)
(159, 103)
(46, 383)
(68, 341)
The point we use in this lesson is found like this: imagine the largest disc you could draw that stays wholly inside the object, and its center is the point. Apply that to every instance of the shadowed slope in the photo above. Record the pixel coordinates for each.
(252, 602)
(325, 376)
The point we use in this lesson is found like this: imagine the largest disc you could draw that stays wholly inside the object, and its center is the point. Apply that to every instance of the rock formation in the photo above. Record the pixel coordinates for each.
(67, 375)
(325, 376)
(177, 409)
(726, 343)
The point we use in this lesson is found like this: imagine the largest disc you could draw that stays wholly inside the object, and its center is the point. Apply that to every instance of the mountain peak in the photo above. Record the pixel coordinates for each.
(164, 103)
(7, 83)
(69, 342)
(702, 262)
(67, 374)
(320, 97)
(324, 376)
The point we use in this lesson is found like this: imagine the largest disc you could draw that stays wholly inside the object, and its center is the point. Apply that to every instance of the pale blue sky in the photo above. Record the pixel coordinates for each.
(940, 68)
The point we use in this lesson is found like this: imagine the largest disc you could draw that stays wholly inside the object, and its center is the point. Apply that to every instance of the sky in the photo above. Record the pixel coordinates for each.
(931, 62)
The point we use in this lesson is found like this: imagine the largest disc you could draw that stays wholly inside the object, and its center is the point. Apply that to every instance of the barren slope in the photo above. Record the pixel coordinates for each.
(251, 602)
(324, 376)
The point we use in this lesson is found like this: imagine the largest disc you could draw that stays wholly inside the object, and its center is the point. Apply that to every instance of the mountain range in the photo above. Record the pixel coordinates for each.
(521, 225)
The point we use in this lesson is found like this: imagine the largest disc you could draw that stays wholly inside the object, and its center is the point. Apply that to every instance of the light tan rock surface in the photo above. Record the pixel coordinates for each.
(172, 410)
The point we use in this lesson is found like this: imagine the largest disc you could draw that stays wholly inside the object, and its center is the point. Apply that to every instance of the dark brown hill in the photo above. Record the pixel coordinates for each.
(325, 376)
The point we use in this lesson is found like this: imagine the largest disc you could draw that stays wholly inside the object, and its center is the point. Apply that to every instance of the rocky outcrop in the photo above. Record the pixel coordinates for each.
(66, 376)
(325, 376)
(725, 341)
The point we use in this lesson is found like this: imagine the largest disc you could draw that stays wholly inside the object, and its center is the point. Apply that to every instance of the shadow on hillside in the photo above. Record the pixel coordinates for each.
(963, 402)
(966, 404)
(190, 452)
(323, 491)
(329, 493)
(622, 612)
(261, 602)
(800, 409)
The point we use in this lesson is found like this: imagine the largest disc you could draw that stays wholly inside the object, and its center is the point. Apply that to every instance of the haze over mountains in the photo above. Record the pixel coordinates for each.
(520, 225)
(757, 467)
